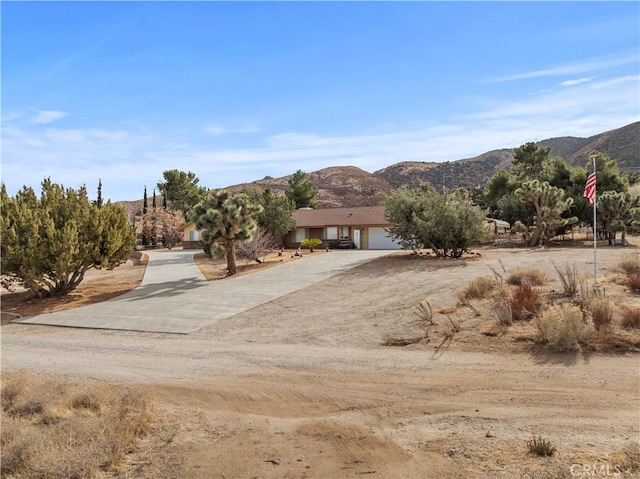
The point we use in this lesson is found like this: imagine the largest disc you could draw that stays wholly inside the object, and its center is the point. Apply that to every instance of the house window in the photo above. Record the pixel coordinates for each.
(332, 233)
(344, 232)
(299, 235)
(193, 235)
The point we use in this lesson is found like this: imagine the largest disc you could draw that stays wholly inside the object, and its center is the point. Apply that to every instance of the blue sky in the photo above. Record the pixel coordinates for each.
(235, 91)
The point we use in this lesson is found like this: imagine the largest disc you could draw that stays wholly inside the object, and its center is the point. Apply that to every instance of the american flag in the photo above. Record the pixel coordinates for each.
(590, 188)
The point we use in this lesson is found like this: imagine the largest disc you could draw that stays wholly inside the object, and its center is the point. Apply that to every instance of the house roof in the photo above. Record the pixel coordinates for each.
(356, 216)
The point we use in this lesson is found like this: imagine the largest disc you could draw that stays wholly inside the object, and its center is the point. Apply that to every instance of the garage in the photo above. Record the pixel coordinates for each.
(379, 239)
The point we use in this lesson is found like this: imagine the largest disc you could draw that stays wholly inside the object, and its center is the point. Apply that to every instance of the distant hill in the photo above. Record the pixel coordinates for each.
(343, 186)
(338, 186)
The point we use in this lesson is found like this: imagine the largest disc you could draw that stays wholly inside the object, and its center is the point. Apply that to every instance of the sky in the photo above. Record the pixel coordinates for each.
(235, 91)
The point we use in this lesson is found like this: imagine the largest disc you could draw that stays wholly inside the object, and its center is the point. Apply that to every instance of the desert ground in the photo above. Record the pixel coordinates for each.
(304, 386)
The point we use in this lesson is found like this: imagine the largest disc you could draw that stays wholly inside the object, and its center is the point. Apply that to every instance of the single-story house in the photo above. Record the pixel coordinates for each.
(363, 226)
(191, 236)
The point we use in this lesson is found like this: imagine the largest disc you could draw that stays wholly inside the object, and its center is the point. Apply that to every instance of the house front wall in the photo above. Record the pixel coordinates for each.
(191, 237)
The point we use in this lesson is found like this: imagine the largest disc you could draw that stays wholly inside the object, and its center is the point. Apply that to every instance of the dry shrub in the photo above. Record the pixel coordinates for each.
(528, 276)
(540, 446)
(525, 303)
(601, 311)
(561, 328)
(628, 459)
(502, 312)
(633, 281)
(630, 263)
(630, 318)
(568, 277)
(55, 430)
(479, 287)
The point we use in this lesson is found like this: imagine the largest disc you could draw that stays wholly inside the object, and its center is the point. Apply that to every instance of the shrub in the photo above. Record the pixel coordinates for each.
(561, 328)
(568, 277)
(540, 446)
(525, 303)
(601, 311)
(479, 287)
(528, 276)
(311, 243)
(633, 281)
(502, 312)
(630, 318)
(630, 263)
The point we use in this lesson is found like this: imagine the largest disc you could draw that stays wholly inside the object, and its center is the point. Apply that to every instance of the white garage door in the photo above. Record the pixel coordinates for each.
(379, 239)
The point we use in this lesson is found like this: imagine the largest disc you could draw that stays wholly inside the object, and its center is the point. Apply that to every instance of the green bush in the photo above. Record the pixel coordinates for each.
(310, 243)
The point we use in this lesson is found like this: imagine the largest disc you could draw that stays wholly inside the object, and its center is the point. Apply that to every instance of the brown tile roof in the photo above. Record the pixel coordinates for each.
(356, 216)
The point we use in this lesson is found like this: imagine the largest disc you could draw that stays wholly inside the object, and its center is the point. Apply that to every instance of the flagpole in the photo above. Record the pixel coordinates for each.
(595, 248)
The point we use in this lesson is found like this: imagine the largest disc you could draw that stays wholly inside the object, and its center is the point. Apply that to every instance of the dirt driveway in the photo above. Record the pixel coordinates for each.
(302, 388)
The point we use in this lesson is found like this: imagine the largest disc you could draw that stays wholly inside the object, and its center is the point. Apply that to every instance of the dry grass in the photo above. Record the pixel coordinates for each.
(54, 429)
(569, 278)
(561, 328)
(630, 263)
(630, 318)
(526, 276)
(478, 288)
(600, 310)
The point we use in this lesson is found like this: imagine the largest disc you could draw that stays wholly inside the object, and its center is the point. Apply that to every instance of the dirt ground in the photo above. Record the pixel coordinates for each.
(302, 387)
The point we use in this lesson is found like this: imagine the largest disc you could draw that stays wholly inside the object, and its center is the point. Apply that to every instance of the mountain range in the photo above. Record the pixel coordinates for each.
(351, 186)
(345, 186)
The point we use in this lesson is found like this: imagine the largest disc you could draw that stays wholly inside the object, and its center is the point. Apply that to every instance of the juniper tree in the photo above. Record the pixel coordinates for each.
(50, 242)
(224, 219)
(423, 218)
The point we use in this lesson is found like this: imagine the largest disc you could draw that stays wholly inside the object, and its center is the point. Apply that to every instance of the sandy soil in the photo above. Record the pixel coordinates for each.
(302, 388)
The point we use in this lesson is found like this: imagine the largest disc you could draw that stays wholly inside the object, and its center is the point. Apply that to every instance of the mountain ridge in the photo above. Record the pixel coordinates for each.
(349, 186)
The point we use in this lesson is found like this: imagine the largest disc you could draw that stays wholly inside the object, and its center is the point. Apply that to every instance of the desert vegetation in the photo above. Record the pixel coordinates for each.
(524, 306)
(57, 429)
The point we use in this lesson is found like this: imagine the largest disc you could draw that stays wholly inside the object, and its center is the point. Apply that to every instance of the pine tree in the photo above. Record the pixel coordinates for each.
(301, 190)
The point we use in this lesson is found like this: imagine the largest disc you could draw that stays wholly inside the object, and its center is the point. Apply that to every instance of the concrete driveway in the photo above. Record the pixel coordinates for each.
(174, 297)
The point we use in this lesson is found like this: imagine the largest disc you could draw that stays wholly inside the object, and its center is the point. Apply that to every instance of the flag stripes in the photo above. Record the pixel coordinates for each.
(590, 188)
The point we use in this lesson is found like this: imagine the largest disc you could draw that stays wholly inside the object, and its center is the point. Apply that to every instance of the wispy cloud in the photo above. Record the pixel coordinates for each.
(577, 81)
(47, 116)
(575, 68)
(216, 129)
(126, 160)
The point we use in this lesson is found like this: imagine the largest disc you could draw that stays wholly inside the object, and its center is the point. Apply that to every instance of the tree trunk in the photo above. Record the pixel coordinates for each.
(231, 257)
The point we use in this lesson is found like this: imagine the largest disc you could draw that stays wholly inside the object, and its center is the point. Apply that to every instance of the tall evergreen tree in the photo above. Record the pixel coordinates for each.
(98, 202)
(301, 190)
(181, 190)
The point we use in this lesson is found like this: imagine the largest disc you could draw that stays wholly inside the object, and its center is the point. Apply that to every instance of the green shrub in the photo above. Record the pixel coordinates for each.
(561, 328)
(310, 243)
